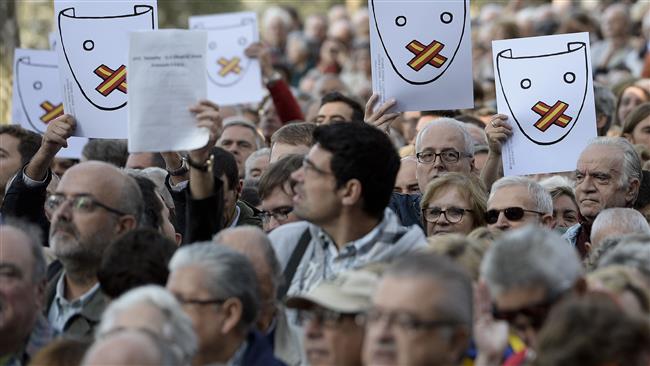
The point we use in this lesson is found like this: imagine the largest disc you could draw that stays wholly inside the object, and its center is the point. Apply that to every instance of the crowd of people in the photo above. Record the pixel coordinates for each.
(320, 228)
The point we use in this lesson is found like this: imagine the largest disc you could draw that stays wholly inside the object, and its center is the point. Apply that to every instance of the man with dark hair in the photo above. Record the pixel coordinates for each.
(137, 258)
(336, 107)
(153, 206)
(276, 192)
(110, 151)
(17, 146)
(240, 138)
(294, 138)
(342, 193)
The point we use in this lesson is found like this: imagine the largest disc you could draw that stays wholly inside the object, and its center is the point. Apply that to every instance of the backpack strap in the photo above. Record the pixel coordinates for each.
(294, 261)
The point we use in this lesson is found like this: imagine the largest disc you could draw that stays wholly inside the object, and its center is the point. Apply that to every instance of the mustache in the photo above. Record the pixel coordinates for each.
(65, 226)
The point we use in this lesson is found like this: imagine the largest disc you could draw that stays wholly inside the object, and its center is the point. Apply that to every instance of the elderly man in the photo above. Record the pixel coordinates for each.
(257, 163)
(608, 174)
(218, 289)
(153, 309)
(617, 42)
(271, 321)
(517, 201)
(336, 107)
(294, 138)
(240, 138)
(23, 329)
(276, 192)
(617, 222)
(332, 315)
(527, 271)
(342, 191)
(130, 347)
(421, 314)
(93, 204)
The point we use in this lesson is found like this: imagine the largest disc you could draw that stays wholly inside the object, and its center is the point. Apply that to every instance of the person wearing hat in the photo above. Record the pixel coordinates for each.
(333, 317)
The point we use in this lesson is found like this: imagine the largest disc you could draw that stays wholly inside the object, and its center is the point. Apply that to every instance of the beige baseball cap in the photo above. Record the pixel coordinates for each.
(350, 292)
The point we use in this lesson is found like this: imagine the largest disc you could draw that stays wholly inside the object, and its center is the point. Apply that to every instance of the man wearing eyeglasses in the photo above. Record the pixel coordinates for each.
(333, 317)
(342, 192)
(276, 192)
(217, 288)
(527, 272)
(421, 314)
(518, 201)
(443, 146)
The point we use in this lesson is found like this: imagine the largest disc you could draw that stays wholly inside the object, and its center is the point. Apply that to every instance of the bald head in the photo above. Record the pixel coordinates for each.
(127, 347)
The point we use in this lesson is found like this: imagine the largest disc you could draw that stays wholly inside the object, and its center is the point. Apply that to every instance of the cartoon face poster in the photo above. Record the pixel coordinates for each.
(233, 78)
(544, 86)
(93, 51)
(37, 96)
(421, 53)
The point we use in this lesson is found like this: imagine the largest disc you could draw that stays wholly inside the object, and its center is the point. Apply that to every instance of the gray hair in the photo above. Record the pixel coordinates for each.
(177, 327)
(558, 185)
(541, 198)
(450, 276)
(605, 102)
(264, 245)
(34, 240)
(243, 122)
(274, 12)
(229, 274)
(450, 122)
(635, 253)
(631, 160)
(248, 165)
(158, 176)
(623, 220)
(130, 200)
(529, 257)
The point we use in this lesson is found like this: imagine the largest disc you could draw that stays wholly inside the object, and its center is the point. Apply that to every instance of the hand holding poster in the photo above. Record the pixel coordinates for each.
(233, 77)
(166, 77)
(421, 54)
(92, 48)
(544, 86)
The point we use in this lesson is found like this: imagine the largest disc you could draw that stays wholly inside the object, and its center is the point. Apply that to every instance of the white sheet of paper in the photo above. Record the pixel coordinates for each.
(93, 47)
(166, 77)
(544, 85)
(37, 96)
(233, 78)
(421, 54)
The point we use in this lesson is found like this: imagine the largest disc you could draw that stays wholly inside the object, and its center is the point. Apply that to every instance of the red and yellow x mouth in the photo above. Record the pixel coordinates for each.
(112, 79)
(426, 55)
(228, 66)
(51, 111)
(551, 115)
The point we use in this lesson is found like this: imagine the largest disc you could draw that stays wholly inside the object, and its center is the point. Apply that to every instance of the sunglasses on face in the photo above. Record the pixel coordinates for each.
(534, 314)
(511, 213)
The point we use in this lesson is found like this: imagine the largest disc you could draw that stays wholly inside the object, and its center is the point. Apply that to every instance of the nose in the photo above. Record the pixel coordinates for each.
(313, 329)
(298, 175)
(502, 222)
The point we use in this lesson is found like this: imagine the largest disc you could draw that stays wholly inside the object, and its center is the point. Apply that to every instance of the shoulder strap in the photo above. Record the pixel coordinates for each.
(294, 261)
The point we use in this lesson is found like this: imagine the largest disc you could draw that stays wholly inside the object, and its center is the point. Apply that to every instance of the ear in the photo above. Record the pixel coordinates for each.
(126, 223)
(40, 294)
(628, 137)
(351, 192)
(240, 186)
(548, 221)
(178, 238)
(458, 342)
(232, 312)
(632, 191)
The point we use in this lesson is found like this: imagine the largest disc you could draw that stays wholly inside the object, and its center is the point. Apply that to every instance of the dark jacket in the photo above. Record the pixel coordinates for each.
(248, 215)
(259, 352)
(407, 208)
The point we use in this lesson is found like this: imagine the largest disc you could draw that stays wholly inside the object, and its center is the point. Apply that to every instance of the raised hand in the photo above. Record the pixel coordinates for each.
(380, 118)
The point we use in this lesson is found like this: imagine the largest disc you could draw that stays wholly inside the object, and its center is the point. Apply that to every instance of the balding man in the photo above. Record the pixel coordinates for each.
(617, 222)
(130, 347)
(271, 321)
(93, 204)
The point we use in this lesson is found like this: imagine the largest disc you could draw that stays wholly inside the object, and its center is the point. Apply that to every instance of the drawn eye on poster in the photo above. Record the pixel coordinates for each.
(233, 78)
(421, 53)
(93, 49)
(544, 85)
(37, 94)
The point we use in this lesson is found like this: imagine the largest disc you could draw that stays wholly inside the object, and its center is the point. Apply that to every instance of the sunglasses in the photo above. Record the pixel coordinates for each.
(535, 314)
(511, 213)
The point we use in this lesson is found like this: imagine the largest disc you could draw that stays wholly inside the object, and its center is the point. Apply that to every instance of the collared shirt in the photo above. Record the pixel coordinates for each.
(235, 220)
(62, 310)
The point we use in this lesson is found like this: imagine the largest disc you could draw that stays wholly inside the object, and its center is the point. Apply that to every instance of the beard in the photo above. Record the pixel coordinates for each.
(77, 251)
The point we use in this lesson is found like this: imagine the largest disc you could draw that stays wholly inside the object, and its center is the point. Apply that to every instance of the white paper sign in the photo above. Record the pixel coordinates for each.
(166, 77)
(92, 48)
(544, 85)
(421, 54)
(37, 95)
(233, 78)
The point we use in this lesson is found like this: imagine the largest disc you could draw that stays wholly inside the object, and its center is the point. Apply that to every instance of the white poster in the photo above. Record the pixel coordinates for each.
(37, 95)
(166, 77)
(233, 78)
(93, 46)
(544, 85)
(421, 54)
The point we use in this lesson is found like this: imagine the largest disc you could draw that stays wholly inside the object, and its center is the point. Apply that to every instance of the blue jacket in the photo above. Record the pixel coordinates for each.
(407, 208)
(259, 352)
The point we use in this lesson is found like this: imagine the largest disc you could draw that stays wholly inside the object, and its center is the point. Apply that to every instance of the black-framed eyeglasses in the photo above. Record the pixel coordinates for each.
(200, 302)
(309, 165)
(448, 156)
(452, 214)
(79, 203)
(279, 213)
(535, 314)
(405, 321)
(329, 318)
(511, 213)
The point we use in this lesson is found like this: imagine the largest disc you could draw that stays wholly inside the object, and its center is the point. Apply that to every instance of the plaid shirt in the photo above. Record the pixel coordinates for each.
(322, 259)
